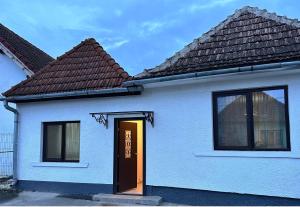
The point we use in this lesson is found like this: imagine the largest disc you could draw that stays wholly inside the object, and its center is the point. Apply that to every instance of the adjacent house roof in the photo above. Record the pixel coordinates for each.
(85, 67)
(248, 37)
(32, 57)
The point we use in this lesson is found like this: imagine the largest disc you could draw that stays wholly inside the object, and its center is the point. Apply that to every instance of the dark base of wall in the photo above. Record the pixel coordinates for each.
(213, 198)
(64, 188)
(169, 194)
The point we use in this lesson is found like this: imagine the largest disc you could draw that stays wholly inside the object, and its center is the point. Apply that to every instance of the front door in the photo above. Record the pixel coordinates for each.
(127, 156)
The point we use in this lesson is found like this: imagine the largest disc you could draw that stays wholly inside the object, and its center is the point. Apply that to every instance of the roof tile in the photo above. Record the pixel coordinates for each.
(87, 66)
(32, 57)
(248, 37)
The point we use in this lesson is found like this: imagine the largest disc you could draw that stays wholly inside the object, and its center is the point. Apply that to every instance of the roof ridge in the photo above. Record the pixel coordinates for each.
(193, 45)
(75, 48)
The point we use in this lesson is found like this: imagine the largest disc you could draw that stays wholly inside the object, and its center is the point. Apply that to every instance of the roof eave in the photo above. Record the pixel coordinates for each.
(217, 72)
(135, 90)
(11, 55)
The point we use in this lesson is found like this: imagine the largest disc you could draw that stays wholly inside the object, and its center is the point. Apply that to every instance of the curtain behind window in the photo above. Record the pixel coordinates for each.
(269, 119)
(72, 141)
(232, 121)
(54, 141)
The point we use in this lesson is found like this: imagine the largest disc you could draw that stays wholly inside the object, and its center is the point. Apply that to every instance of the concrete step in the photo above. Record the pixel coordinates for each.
(128, 199)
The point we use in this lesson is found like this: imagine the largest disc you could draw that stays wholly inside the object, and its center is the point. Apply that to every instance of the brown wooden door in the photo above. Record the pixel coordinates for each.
(127, 156)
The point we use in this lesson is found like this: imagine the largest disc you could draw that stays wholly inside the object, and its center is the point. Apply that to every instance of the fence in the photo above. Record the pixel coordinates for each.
(6, 155)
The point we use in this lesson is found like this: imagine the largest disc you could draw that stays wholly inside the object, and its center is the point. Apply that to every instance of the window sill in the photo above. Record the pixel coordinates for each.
(60, 164)
(241, 155)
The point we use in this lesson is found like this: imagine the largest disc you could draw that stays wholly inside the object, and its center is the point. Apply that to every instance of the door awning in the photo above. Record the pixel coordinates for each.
(102, 117)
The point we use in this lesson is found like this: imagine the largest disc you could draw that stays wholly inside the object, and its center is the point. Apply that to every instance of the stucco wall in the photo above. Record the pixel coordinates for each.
(11, 74)
(180, 146)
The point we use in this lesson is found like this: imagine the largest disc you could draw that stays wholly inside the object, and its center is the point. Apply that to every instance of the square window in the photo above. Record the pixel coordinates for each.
(61, 142)
(251, 119)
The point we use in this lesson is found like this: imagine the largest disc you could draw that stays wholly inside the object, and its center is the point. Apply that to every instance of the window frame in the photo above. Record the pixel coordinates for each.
(250, 123)
(63, 145)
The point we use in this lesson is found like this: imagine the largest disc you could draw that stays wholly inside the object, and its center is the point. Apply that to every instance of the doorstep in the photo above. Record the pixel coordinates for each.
(128, 199)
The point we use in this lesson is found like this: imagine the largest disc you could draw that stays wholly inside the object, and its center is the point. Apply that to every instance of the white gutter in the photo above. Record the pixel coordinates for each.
(73, 94)
(15, 137)
(207, 74)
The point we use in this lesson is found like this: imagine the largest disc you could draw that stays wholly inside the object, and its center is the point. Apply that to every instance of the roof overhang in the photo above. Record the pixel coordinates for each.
(16, 60)
(173, 79)
(133, 90)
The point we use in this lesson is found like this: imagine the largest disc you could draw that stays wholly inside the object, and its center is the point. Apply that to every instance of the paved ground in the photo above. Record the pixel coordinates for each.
(7, 195)
(28, 198)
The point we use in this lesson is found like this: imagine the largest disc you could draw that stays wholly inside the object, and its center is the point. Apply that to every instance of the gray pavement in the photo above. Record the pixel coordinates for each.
(28, 198)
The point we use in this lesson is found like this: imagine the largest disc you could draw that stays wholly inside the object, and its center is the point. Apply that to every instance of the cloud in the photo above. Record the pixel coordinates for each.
(118, 12)
(113, 44)
(211, 4)
(147, 28)
(152, 26)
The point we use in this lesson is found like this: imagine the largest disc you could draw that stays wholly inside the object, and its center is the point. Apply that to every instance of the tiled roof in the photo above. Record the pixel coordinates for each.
(86, 67)
(248, 37)
(32, 57)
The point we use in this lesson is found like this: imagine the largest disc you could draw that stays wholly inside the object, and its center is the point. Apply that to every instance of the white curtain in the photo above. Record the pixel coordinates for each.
(269, 119)
(72, 141)
(232, 121)
(54, 141)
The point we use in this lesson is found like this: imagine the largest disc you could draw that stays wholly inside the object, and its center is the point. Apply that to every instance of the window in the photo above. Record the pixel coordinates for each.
(61, 142)
(252, 119)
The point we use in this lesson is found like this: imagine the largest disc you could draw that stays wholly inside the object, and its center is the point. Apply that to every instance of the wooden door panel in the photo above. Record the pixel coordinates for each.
(127, 156)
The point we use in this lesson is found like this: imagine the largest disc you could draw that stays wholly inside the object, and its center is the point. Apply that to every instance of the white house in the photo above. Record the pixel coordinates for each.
(216, 124)
(19, 59)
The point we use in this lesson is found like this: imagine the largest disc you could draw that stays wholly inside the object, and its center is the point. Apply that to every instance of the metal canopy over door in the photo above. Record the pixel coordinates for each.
(127, 156)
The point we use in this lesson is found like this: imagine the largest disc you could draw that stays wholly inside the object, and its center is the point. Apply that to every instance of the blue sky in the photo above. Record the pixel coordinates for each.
(138, 34)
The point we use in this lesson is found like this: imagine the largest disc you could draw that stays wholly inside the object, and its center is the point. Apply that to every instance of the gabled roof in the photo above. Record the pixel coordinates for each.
(248, 37)
(32, 57)
(85, 67)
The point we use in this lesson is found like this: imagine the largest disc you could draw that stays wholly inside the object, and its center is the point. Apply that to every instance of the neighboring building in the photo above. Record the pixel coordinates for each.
(19, 59)
(216, 124)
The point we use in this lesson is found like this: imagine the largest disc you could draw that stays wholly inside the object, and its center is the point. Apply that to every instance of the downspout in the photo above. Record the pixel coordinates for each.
(15, 137)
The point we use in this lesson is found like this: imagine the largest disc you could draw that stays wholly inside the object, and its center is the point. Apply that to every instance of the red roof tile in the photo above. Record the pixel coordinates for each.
(32, 57)
(85, 67)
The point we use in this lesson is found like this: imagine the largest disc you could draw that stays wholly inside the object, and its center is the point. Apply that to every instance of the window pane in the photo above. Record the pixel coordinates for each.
(72, 141)
(54, 141)
(269, 119)
(232, 121)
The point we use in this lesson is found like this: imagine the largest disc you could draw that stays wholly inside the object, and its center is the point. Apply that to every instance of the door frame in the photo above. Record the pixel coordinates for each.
(116, 146)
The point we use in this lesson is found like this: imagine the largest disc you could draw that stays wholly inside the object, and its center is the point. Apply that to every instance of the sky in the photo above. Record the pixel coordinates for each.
(138, 34)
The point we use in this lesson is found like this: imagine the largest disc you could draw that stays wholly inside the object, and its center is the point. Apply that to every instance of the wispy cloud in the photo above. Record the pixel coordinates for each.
(148, 28)
(152, 26)
(110, 44)
(210, 4)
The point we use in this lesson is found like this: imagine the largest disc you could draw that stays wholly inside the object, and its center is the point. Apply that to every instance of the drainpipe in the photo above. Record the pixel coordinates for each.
(15, 137)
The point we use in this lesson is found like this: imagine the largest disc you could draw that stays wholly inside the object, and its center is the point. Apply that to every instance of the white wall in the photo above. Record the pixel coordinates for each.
(178, 147)
(10, 75)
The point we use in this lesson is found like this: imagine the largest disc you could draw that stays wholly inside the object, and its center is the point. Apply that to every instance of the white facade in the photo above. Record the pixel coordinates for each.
(11, 74)
(179, 148)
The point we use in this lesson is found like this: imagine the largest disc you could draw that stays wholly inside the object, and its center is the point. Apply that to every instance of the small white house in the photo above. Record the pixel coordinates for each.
(216, 124)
